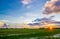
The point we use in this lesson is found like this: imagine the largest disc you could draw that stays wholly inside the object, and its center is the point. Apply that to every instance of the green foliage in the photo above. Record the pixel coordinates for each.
(27, 33)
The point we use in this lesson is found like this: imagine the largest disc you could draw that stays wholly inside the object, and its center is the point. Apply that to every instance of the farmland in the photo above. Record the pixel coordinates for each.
(12, 33)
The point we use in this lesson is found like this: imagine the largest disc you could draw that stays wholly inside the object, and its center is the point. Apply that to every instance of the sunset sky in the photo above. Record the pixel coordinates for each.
(21, 11)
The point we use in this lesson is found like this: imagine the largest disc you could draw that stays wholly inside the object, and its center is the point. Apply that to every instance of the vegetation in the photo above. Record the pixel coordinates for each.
(27, 33)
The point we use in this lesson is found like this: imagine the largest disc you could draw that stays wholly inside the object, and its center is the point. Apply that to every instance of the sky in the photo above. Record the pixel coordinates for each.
(25, 11)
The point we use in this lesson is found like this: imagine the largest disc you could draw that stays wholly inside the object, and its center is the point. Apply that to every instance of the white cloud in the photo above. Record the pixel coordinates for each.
(57, 17)
(26, 18)
(26, 2)
(5, 21)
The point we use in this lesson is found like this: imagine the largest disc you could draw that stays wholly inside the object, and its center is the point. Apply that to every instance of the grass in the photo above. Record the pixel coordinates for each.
(27, 33)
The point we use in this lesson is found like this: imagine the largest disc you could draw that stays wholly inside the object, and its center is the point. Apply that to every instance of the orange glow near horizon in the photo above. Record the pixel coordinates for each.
(1, 23)
(50, 26)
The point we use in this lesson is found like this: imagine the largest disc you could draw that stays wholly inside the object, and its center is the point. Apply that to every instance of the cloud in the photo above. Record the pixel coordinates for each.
(5, 21)
(26, 2)
(52, 6)
(27, 17)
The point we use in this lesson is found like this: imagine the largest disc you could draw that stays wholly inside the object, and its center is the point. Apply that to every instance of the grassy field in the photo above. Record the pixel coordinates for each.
(28, 33)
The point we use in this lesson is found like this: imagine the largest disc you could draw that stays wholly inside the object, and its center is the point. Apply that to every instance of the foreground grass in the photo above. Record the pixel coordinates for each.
(27, 33)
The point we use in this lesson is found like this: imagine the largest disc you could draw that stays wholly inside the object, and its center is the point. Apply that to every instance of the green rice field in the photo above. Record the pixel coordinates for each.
(29, 33)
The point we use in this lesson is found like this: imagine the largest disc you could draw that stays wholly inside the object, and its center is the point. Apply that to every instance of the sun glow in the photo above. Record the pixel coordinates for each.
(50, 26)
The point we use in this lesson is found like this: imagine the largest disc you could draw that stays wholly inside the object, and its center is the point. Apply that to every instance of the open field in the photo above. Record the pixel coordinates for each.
(28, 33)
